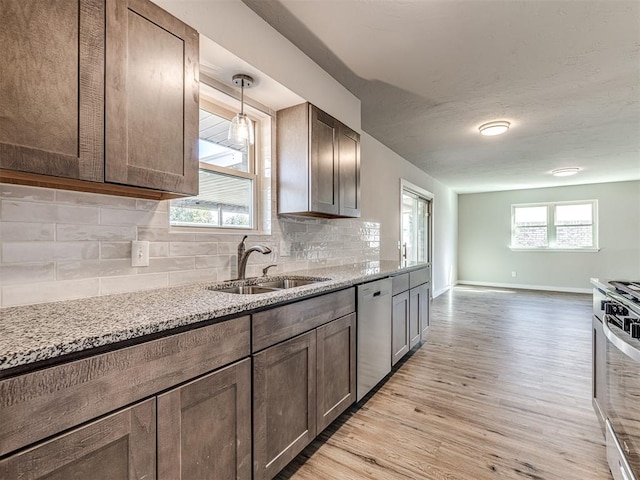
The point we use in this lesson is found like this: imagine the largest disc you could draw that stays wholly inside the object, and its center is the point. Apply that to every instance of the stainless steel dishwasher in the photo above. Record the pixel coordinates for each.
(374, 334)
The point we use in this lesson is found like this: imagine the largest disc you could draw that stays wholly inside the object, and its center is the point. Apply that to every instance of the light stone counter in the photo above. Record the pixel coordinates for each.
(47, 331)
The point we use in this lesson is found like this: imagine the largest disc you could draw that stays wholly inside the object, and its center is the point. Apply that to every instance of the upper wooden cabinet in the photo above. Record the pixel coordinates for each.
(151, 98)
(67, 121)
(52, 88)
(318, 164)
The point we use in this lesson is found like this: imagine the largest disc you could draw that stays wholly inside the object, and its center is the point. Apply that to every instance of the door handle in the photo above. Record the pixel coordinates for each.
(404, 250)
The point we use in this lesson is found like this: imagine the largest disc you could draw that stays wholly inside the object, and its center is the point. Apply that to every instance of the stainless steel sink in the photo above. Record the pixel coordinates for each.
(246, 289)
(254, 286)
(288, 283)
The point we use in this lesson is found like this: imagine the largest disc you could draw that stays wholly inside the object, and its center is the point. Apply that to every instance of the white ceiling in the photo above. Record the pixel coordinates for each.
(566, 74)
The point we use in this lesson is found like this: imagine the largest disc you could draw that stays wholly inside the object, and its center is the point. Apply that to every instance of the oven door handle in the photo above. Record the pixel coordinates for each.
(626, 348)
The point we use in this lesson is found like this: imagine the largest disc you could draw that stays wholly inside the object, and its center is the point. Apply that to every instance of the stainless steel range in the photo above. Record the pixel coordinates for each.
(621, 327)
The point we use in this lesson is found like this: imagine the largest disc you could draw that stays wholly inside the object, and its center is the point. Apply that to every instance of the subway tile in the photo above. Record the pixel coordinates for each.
(168, 264)
(17, 252)
(95, 199)
(112, 250)
(133, 283)
(15, 210)
(158, 249)
(13, 295)
(157, 234)
(26, 232)
(26, 272)
(182, 249)
(111, 216)
(152, 205)
(72, 269)
(193, 276)
(105, 233)
(214, 261)
(39, 194)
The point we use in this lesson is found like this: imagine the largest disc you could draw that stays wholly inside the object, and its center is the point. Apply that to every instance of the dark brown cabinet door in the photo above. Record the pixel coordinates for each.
(399, 327)
(284, 403)
(204, 427)
(151, 98)
(324, 175)
(122, 446)
(349, 160)
(336, 351)
(52, 88)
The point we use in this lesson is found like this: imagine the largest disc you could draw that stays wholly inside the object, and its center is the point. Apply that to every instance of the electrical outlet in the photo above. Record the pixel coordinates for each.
(514, 274)
(140, 254)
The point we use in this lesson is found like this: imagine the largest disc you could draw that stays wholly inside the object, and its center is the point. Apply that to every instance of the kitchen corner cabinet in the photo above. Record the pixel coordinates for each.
(599, 371)
(121, 445)
(318, 164)
(98, 96)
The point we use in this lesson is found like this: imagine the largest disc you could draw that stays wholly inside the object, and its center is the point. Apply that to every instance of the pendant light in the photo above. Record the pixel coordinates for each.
(241, 128)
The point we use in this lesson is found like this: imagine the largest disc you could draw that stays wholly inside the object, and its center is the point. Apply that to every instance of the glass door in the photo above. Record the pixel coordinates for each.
(416, 235)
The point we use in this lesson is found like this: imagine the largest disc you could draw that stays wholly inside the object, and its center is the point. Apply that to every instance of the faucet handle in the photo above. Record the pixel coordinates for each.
(265, 270)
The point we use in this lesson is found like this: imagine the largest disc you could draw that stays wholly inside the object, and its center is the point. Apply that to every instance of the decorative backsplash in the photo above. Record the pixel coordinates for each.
(61, 245)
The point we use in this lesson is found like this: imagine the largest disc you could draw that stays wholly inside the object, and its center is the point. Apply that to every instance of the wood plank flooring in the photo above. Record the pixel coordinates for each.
(501, 390)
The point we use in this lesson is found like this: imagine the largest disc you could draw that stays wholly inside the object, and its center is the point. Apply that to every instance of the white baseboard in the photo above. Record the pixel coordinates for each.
(546, 288)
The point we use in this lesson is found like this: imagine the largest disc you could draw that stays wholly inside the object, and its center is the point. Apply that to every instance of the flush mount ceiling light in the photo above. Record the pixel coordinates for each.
(564, 172)
(494, 128)
(241, 128)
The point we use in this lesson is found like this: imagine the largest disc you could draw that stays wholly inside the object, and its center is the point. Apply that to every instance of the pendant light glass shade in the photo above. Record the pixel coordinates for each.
(241, 128)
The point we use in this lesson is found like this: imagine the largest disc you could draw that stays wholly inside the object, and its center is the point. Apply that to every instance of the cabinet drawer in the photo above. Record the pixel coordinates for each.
(40, 404)
(281, 323)
(419, 277)
(399, 283)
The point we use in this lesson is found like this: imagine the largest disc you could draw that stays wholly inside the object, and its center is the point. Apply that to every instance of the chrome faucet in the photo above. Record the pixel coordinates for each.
(243, 256)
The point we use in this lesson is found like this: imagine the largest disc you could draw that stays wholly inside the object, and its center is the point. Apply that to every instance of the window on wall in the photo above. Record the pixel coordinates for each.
(228, 180)
(555, 226)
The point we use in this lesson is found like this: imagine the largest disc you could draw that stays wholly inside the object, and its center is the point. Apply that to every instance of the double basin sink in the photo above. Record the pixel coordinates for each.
(255, 286)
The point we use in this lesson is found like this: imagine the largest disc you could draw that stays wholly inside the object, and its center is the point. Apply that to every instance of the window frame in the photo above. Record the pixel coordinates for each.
(551, 227)
(254, 166)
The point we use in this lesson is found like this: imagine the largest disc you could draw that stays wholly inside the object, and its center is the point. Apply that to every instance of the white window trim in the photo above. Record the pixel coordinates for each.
(256, 174)
(551, 227)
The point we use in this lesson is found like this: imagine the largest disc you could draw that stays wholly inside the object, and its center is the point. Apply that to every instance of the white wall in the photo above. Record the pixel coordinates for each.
(234, 26)
(484, 233)
(382, 170)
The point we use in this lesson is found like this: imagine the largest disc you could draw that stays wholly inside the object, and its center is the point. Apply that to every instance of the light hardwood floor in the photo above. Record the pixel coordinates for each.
(501, 390)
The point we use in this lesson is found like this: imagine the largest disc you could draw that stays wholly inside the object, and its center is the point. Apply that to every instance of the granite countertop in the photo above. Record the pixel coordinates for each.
(35, 333)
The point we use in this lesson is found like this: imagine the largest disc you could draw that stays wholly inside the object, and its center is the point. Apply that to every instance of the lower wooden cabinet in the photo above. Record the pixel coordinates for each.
(418, 314)
(399, 327)
(204, 427)
(284, 403)
(336, 369)
(300, 386)
(121, 445)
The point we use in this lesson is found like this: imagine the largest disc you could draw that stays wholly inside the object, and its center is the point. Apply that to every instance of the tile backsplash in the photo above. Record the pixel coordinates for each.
(60, 245)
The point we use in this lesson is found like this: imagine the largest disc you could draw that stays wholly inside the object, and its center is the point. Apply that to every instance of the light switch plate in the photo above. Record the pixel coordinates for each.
(140, 254)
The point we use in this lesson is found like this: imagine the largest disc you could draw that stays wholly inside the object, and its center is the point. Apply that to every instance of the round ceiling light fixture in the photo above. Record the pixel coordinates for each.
(565, 172)
(494, 128)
